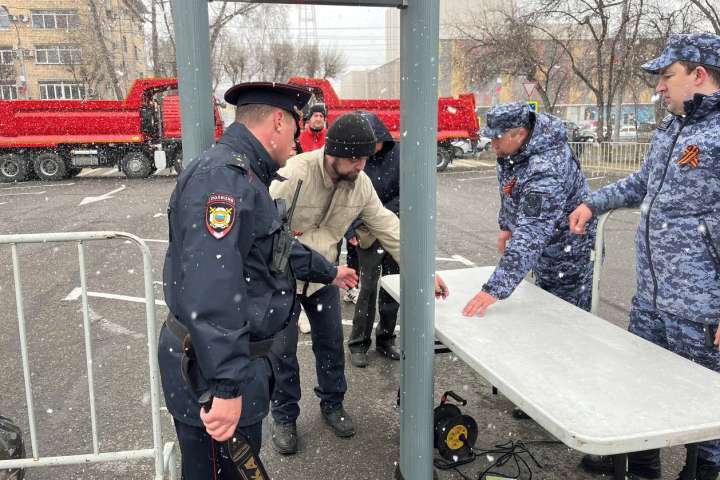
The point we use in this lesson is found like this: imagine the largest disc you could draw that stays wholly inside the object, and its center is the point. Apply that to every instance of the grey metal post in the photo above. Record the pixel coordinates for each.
(192, 53)
(419, 29)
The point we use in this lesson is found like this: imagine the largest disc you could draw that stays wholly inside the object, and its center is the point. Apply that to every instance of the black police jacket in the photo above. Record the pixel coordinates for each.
(217, 276)
(383, 168)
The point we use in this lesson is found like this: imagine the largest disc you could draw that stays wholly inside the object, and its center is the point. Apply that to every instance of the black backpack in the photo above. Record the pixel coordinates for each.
(11, 447)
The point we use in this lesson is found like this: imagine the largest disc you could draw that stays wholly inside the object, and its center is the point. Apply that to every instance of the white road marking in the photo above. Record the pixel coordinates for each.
(54, 185)
(596, 178)
(463, 260)
(477, 178)
(77, 291)
(111, 327)
(456, 258)
(152, 240)
(102, 197)
(21, 193)
(3, 203)
(466, 171)
(157, 215)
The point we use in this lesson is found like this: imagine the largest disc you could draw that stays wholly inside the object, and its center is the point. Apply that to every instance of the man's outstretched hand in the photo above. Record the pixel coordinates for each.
(441, 289)
(346, 278)
(478, 304)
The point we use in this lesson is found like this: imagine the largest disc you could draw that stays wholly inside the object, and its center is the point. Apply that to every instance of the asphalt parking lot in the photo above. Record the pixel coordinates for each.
(467, 229)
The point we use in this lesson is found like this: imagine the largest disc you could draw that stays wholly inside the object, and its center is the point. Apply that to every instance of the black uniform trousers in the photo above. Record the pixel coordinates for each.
(374, 263)
(325, 315)
(205, 459)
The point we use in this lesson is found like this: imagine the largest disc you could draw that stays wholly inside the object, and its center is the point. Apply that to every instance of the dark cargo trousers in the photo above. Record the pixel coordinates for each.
(203, 458)
(374, 263)
(325, 315)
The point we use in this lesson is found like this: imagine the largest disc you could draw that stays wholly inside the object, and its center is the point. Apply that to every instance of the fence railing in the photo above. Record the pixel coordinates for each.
(606, 157)
(163, 456)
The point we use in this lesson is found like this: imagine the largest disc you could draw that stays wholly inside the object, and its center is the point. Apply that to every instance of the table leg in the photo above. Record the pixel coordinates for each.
(690, 462)
(620, 464)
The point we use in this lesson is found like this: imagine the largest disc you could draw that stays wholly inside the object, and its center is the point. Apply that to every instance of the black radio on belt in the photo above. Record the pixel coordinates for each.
(282, 242)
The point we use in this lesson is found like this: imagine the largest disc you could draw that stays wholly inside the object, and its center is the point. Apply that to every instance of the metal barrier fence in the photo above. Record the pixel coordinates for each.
(622, 157)
(163, 456)
(598, 257)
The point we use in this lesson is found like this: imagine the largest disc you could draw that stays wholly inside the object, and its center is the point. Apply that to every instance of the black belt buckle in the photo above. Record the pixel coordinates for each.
(248, 465)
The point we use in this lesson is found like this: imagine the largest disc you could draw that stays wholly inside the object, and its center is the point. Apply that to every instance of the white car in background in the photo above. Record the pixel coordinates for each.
(462, 147)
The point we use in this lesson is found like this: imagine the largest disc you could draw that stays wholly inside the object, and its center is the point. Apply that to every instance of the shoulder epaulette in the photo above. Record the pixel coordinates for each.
(666, 122)
(239, 161)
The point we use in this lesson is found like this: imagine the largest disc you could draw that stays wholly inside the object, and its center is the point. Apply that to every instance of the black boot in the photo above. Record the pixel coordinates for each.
(358, 359)
(388, 349)
(645, 464)
(340, 422)
(284, 437)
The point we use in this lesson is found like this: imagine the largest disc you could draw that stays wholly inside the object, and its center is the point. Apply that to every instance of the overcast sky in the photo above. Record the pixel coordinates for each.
(359, 32)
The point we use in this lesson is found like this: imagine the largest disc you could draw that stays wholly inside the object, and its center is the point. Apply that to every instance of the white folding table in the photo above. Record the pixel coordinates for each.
(596, 387)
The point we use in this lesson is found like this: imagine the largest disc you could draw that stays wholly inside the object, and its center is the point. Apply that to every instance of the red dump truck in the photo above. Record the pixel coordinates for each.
(56, 139)
(456, 116)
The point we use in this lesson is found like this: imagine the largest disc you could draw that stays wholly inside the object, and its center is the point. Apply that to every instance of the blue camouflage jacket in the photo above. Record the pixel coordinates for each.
(539, 186)
(678, 190)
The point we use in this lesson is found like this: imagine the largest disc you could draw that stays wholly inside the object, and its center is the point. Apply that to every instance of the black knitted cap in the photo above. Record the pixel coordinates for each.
(350, 136)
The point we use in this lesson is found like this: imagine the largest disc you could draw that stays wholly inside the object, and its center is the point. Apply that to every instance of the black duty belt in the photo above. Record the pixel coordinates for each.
(258, 348)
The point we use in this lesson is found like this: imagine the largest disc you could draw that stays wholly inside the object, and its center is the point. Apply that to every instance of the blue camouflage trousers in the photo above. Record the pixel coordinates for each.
(565, 268)
(685, 338)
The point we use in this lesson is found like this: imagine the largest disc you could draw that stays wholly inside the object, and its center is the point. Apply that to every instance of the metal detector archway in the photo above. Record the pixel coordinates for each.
(419, 31)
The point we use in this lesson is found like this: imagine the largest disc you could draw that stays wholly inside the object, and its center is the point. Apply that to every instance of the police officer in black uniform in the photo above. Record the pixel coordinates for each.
(229, 281)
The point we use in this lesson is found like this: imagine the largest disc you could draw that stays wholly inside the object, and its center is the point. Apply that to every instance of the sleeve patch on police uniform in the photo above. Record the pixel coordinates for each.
(533, 205)
(220, 214)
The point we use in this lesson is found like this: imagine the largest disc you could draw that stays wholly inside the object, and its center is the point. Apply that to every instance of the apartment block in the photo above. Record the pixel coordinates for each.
(65, 49)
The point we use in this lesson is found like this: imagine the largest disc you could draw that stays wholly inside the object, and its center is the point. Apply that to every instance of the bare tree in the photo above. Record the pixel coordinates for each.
(97, 27)
(599, 40)
(333, 62)
(513, 48)
(309, 60)
(659, 22)
(710, 9)
(222, 15)
(236, 64)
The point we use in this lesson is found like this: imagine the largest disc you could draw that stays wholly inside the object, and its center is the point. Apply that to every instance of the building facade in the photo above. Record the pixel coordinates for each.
(457, 19)
(65, 49)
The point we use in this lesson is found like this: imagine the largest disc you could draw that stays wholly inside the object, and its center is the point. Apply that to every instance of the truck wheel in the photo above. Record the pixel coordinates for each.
(444, 157)
(14, 168)
(136, 165)
(458, 152)
(50, 166)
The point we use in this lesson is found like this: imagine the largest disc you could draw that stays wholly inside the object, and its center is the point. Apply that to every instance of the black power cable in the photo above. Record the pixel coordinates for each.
(511, 451)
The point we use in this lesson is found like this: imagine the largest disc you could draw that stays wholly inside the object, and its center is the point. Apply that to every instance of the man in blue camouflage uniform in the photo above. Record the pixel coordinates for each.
(677, 302)
(540, 183)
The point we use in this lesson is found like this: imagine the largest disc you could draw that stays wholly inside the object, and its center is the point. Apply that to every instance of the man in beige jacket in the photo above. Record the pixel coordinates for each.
(335, 191)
